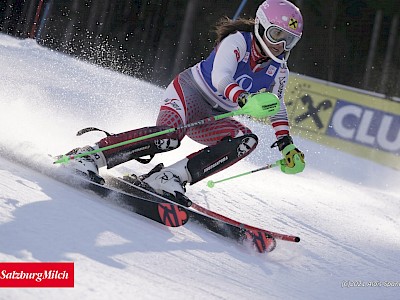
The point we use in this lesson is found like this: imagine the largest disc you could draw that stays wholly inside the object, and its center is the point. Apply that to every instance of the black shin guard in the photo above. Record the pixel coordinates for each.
(137, 150)
(213, 159)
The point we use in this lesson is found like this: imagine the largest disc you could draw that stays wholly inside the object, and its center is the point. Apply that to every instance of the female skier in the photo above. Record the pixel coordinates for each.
(250, 55)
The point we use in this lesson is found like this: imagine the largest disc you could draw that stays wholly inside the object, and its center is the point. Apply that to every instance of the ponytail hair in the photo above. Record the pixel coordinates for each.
(226, 26)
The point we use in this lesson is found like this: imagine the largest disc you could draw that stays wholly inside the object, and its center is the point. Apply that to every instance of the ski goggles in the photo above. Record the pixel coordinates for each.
(276, 35)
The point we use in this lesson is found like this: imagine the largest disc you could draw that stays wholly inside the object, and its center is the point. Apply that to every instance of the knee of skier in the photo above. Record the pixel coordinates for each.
(211, 136)
(171, 119)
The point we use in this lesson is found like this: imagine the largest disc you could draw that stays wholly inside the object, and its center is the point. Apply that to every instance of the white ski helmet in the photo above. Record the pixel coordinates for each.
(278, 21)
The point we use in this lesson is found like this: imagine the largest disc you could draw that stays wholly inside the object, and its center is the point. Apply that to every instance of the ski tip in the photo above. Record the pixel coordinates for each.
(297, 239)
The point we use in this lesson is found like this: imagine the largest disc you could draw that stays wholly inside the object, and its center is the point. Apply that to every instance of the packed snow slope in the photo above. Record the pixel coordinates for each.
(345, 209)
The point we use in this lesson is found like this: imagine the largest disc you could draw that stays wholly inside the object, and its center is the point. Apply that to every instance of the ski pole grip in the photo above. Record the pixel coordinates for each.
(261, 105)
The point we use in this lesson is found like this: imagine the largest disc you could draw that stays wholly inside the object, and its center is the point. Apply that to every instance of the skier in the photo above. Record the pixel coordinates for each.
(250, 56)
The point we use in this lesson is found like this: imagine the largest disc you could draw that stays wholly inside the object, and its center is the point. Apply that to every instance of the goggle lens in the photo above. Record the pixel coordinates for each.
(276, 35)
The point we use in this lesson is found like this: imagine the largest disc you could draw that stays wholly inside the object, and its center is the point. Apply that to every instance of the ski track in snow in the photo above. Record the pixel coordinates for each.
(345, 209)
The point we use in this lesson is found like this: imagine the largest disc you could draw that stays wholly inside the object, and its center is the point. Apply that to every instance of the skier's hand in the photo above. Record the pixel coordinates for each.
(293, 159)
(245, 96)
(242, 99)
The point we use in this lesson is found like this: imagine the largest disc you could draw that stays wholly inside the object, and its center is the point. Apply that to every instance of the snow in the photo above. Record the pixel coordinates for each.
(345, 209)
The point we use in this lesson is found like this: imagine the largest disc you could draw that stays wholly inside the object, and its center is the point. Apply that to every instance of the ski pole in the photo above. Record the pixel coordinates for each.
(211, 183)
(259, 105)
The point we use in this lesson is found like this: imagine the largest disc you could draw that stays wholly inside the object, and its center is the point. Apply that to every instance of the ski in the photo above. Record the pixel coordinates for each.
(276, 235)
(160, 209)
(262, 240)
(154, 208)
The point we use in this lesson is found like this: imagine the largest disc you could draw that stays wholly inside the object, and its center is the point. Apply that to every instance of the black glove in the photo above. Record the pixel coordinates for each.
(242, 99)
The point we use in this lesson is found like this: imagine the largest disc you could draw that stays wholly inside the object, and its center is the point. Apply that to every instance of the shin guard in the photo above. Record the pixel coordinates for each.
(136, 150)
(213, 159)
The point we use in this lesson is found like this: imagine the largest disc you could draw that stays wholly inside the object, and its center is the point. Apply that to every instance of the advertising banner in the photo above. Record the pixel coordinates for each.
(347, 119)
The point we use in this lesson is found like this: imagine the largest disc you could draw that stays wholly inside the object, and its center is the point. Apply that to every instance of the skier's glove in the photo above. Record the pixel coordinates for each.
(242, 99)
(293, 161)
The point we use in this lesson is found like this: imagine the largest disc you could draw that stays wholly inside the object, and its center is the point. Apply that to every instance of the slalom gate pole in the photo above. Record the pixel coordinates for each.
(259, 105)
(239, 10)
(211, 183)
(32, 33)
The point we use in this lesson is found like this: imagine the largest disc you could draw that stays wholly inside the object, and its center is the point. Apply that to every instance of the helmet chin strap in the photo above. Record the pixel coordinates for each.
(282, 61)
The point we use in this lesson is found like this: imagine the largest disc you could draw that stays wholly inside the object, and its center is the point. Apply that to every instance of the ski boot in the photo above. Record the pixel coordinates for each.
(87, 166)
(163, 181)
